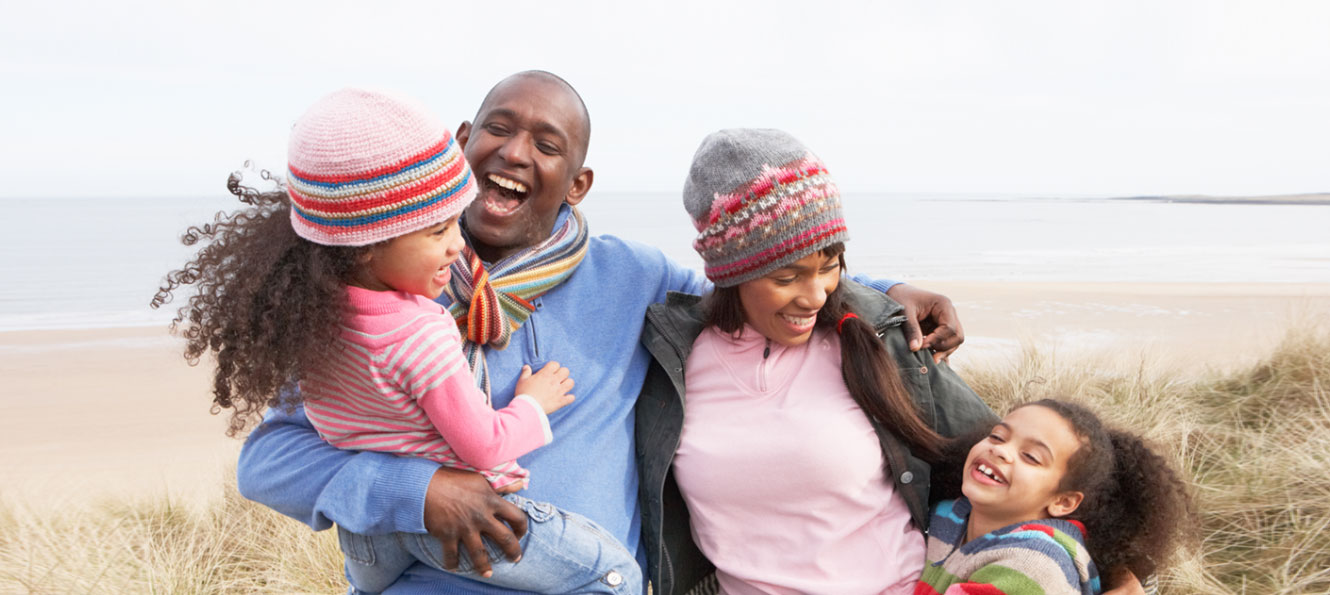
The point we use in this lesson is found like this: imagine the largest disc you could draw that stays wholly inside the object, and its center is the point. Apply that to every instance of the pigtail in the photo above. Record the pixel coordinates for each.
(267, 303)
(1140, 517)
(874, 381)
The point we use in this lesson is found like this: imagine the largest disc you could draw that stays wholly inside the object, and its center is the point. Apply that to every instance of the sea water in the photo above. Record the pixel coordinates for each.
(96, 262)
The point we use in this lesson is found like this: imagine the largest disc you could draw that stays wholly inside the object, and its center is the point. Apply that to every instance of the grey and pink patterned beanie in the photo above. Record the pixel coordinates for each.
(760, 200)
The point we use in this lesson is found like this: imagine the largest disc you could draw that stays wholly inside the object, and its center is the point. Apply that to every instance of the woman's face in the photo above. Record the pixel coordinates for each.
(783, 305)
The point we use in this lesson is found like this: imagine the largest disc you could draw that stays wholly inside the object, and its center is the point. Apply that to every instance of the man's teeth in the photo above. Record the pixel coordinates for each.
(804, 321)
(503, 182)
(986, 470)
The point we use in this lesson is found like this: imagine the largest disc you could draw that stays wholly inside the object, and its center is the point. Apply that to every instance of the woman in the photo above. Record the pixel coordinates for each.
(802, 396)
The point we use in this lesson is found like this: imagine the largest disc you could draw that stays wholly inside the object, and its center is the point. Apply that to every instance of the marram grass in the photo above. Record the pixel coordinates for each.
(157, 546)
(1254, 444)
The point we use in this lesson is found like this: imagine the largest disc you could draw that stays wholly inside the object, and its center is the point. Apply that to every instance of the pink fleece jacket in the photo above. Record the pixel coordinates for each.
(783, 474)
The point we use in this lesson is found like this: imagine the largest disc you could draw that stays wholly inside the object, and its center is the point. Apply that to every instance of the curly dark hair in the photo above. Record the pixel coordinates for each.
(869, 372)
(267, 303)
(1135, 516)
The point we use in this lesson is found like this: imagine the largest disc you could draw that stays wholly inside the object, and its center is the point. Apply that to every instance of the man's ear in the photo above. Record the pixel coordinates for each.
(463, 133)
(581, 186)
(1065, 503)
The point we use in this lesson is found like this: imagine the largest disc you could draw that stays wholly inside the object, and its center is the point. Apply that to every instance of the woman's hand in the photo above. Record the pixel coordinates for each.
(930, 320)
(460, 507)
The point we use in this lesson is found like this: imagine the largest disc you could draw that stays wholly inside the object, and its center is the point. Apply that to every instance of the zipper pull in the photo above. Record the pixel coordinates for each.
(766, 352)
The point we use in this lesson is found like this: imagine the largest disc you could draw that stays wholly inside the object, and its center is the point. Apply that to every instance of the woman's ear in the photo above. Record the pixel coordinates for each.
(1065, 503)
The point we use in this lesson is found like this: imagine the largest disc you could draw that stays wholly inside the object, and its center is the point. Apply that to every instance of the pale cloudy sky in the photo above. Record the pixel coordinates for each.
(1017, 97)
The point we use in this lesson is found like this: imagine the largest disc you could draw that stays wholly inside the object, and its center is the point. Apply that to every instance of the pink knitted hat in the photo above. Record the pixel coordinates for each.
(367, 166)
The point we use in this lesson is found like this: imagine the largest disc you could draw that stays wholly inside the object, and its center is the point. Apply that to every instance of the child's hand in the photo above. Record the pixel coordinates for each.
(549, 386)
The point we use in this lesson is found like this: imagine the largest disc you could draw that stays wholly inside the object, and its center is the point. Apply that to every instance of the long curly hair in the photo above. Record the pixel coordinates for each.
(267, 303)
(869, 372)
(1138, 512)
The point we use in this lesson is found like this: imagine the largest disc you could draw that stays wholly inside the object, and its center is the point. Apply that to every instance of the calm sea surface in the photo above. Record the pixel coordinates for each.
(84, 262)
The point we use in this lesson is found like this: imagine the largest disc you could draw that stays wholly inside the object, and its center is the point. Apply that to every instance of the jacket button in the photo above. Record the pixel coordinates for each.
(923, 369)
(613, 578)
(907, 477)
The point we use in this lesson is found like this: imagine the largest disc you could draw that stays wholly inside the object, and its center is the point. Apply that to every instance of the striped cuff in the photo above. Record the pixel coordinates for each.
(540, 412)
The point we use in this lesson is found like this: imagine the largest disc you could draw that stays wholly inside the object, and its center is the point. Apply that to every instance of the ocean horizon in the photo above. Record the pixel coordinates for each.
(96, 262)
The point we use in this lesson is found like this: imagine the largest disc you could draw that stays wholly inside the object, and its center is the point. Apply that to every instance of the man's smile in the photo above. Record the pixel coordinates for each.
(502, 195)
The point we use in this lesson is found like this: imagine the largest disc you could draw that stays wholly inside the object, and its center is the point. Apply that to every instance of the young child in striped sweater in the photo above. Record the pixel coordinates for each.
(329, 284)
(1050, 496)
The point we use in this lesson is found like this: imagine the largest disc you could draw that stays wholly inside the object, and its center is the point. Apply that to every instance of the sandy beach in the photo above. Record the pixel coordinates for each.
(107, 412)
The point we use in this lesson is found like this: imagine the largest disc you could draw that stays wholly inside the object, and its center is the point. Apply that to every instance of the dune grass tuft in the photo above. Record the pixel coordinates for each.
(159, 546)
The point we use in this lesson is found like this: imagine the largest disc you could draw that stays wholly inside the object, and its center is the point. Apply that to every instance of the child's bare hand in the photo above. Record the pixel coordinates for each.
(549, 386)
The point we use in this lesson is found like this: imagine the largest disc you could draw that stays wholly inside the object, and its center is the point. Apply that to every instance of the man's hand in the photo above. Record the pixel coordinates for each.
(930, 320)
(460, 506)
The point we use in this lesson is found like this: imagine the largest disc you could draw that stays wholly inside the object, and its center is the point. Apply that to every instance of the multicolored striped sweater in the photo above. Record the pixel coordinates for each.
(401, 385)
(1044, 557)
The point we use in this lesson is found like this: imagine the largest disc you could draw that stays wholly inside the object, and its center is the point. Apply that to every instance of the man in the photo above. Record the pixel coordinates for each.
(526, 148)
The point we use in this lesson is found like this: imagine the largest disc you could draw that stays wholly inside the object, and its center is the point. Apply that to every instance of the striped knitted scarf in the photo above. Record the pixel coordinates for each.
(489, 305)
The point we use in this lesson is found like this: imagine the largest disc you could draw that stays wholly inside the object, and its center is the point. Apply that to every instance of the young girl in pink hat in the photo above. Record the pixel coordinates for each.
(321, 295)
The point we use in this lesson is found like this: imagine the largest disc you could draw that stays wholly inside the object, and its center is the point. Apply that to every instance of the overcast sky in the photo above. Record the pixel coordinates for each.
(976, 96)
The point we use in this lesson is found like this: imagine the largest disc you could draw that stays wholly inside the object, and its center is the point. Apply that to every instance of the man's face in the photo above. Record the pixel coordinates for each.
(526, 149)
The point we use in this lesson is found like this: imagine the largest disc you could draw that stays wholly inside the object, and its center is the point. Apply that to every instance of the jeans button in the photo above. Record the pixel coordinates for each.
(613, 578)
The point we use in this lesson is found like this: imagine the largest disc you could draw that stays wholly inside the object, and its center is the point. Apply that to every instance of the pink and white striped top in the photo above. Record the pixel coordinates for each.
(401, 385)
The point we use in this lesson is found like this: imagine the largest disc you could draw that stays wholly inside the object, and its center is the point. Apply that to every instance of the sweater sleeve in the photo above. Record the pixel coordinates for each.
(287, 467)
(881, 285)
(683, 280)
(433, 369)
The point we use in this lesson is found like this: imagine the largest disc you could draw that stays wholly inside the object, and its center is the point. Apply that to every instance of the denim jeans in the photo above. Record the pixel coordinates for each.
(562, 552)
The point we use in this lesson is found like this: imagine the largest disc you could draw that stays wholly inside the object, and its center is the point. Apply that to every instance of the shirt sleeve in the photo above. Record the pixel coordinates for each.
(287, 467)
(433, 370)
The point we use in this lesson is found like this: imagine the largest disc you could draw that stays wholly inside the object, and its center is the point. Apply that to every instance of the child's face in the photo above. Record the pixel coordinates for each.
(416, 262)
(1012, 475)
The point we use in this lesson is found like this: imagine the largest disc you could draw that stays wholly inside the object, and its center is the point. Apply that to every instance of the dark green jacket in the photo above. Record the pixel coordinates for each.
(674, 562)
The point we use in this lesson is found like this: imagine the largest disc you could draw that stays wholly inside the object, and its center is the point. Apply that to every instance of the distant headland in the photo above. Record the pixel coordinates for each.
(1317, 198)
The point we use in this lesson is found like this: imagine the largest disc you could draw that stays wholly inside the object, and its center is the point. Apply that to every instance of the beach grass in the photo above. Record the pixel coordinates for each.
(147, 545)
(1253, 442)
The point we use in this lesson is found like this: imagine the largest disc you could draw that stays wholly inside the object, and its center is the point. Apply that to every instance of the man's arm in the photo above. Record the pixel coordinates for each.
(930, 318)
(286, 466)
